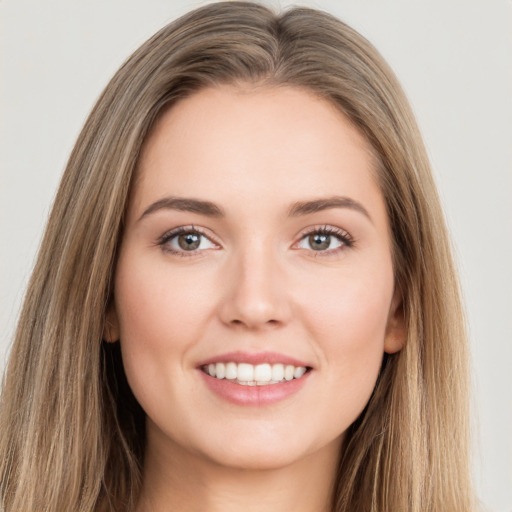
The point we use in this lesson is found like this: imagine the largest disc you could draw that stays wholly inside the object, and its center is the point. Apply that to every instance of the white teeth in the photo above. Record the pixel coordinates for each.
(220, 370)
(289, 370)
(255, 375)
(263, 373)
(245, 372)
(231, 371)
(277, 372)
(298, 373)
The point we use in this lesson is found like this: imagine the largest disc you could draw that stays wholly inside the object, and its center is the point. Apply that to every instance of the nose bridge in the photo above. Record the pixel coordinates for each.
(256, 295)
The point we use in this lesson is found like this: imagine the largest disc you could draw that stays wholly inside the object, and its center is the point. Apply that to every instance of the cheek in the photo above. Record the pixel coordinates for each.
(161, 316)
(348, 322)
(155, 305)
(350, 307)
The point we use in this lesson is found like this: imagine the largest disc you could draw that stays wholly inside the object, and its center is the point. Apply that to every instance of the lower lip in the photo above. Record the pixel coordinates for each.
(254, 395)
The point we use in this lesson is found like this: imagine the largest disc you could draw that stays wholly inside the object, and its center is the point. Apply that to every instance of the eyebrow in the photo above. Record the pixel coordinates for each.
(185, 205)
(212, 210)
(318, 205)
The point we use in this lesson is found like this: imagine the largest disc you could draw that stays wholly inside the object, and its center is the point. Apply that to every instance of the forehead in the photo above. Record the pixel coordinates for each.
(231, 144)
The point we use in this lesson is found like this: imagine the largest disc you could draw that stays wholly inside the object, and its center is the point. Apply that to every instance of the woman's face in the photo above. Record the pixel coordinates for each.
(256, 247)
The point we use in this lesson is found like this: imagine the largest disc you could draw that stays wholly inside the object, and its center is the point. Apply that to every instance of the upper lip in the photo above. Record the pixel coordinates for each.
(253, 358)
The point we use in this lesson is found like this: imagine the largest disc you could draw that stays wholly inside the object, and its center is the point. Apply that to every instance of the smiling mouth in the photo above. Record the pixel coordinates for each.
(247, 374)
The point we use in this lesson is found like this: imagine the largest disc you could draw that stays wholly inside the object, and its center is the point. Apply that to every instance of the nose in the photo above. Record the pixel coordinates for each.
(255, 292)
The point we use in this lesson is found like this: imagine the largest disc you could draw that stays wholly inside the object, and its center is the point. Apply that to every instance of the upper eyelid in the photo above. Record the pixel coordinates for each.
(171, 233)
(328, 228)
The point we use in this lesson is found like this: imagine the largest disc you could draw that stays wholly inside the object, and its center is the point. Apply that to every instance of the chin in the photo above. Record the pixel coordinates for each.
(256, 459)
(253, 452)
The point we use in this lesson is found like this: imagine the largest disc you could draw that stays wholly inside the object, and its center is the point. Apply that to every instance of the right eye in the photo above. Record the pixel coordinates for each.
(184, 240)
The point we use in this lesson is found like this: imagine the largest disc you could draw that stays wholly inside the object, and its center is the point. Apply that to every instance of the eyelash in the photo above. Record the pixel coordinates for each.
(346, 240)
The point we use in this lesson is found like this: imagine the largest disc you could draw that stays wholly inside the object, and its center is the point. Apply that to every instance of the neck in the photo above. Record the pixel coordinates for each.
(188, 482)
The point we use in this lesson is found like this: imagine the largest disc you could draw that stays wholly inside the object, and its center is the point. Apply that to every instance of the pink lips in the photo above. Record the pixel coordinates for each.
(253, 395)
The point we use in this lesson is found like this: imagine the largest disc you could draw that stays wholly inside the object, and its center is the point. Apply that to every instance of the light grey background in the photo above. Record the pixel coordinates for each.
(454, 60)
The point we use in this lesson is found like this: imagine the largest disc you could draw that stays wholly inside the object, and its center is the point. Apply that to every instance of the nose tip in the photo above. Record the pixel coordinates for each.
(254, 317)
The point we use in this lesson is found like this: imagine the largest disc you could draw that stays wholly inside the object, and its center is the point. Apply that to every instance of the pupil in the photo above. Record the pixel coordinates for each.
(188, 242)
(319, 241)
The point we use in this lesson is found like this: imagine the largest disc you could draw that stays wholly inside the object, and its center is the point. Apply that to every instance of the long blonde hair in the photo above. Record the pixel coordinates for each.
(71, 433)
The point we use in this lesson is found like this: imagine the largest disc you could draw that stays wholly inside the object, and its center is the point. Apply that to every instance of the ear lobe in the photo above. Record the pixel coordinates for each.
(396, 331)
(111, 326)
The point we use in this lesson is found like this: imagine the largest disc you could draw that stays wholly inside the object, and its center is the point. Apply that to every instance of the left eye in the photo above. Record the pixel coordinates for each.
(320, 241)
(188, 241)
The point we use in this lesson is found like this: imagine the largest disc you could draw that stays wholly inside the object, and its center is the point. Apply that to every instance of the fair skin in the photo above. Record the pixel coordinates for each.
(255, 278)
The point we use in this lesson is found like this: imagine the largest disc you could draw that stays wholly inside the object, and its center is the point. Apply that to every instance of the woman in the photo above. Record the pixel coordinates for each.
(245, 295)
